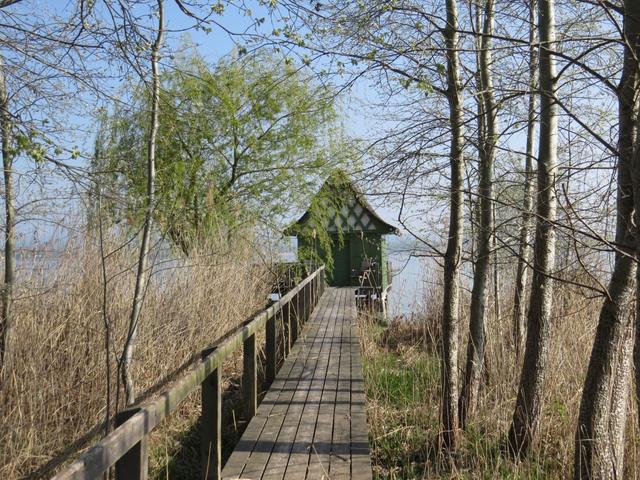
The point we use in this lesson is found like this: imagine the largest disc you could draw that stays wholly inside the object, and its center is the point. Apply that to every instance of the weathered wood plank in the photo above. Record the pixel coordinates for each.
(291, 451)
(133, 465)
(295, 385)
(303, 440)
(340, 462)
(249, 377)
(276, 401)
(271, 350)
(319, 456)
(211, 424)
(312, 423)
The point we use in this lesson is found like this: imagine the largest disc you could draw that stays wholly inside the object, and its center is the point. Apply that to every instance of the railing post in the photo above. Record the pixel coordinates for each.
(307, 302)
(211, 423)
(271, 349)
(324, 279)
(133, 465)
(315, 289)
(250, 377)
(303, 307)
(295, 320)
(286, 328)
(312, 289)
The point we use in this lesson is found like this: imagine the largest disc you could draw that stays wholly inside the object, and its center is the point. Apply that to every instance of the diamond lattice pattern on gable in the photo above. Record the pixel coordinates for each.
(353, 216)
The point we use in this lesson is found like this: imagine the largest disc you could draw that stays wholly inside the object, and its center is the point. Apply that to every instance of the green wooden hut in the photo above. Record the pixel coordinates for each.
(357, 234)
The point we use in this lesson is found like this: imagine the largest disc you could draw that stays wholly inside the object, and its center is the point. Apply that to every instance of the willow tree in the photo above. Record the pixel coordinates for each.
(241, 142)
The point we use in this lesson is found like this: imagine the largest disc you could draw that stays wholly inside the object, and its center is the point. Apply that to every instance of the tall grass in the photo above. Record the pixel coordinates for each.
(403, 393)
(57, 392)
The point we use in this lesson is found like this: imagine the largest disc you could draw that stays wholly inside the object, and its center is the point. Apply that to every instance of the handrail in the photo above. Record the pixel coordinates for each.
(126, 446)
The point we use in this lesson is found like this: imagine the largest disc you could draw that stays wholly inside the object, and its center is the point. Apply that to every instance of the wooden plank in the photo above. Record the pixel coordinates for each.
(287, 448)
(360, 457)
(249, 378)
(297, 383)
(320, 454)
(274, 406)
(286, 329)
(271, 350)
(340, 462)
(304, 440)
(290, 372)
(211, 425)
(312, 423)
(133, 465)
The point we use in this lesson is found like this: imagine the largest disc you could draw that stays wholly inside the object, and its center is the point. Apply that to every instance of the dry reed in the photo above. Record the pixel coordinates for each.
(403, 357)
(57, 391)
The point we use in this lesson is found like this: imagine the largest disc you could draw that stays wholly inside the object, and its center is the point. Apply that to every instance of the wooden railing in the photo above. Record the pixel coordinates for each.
(126, 446)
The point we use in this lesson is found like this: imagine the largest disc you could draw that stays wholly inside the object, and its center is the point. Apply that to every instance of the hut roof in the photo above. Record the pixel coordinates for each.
(357, 215)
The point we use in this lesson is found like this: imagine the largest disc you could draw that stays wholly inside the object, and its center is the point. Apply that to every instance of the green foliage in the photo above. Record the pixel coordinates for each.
(313, 234)
(402, 382)
(238, 144)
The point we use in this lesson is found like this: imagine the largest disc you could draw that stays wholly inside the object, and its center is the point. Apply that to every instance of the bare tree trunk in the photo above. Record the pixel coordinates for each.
(620, 397)
(599, 448)
(519, 311)
(6, 319)
(632, 43)
(143, 261)
(479, 293)
(452, 259)
(526, 416)
(600, 433)
(496, 270)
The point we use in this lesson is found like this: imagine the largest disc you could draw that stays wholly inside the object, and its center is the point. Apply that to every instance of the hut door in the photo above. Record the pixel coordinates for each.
(341, 263)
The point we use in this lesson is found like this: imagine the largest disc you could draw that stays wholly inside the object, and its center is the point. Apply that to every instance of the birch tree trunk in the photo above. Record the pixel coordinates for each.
(6, 319)
(519, 310)
(599, 444)
(526, 416)
(479, 292)
(452, 259)
(143, 260)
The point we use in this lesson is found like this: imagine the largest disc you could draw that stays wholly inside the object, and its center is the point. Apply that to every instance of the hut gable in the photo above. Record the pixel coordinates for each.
(355, 215)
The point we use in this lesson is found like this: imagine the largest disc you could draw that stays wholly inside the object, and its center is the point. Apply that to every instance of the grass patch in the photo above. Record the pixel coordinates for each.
(402, 375)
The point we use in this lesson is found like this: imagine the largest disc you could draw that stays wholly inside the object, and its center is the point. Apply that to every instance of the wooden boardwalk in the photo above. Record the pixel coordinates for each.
(312, 422)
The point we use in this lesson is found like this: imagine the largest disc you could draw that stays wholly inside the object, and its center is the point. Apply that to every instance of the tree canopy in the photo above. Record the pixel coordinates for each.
(238, 143)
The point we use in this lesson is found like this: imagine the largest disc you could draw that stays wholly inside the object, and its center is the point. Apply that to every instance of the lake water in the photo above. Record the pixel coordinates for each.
(407, 292)
(408, 287)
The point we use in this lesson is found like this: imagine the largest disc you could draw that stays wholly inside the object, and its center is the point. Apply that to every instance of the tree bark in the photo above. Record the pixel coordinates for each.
(452, 259)
(526, 416)
(143, 260)
(479, 292)
(519, 310)
(632, 15)
(599, 443)
(6, 320)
